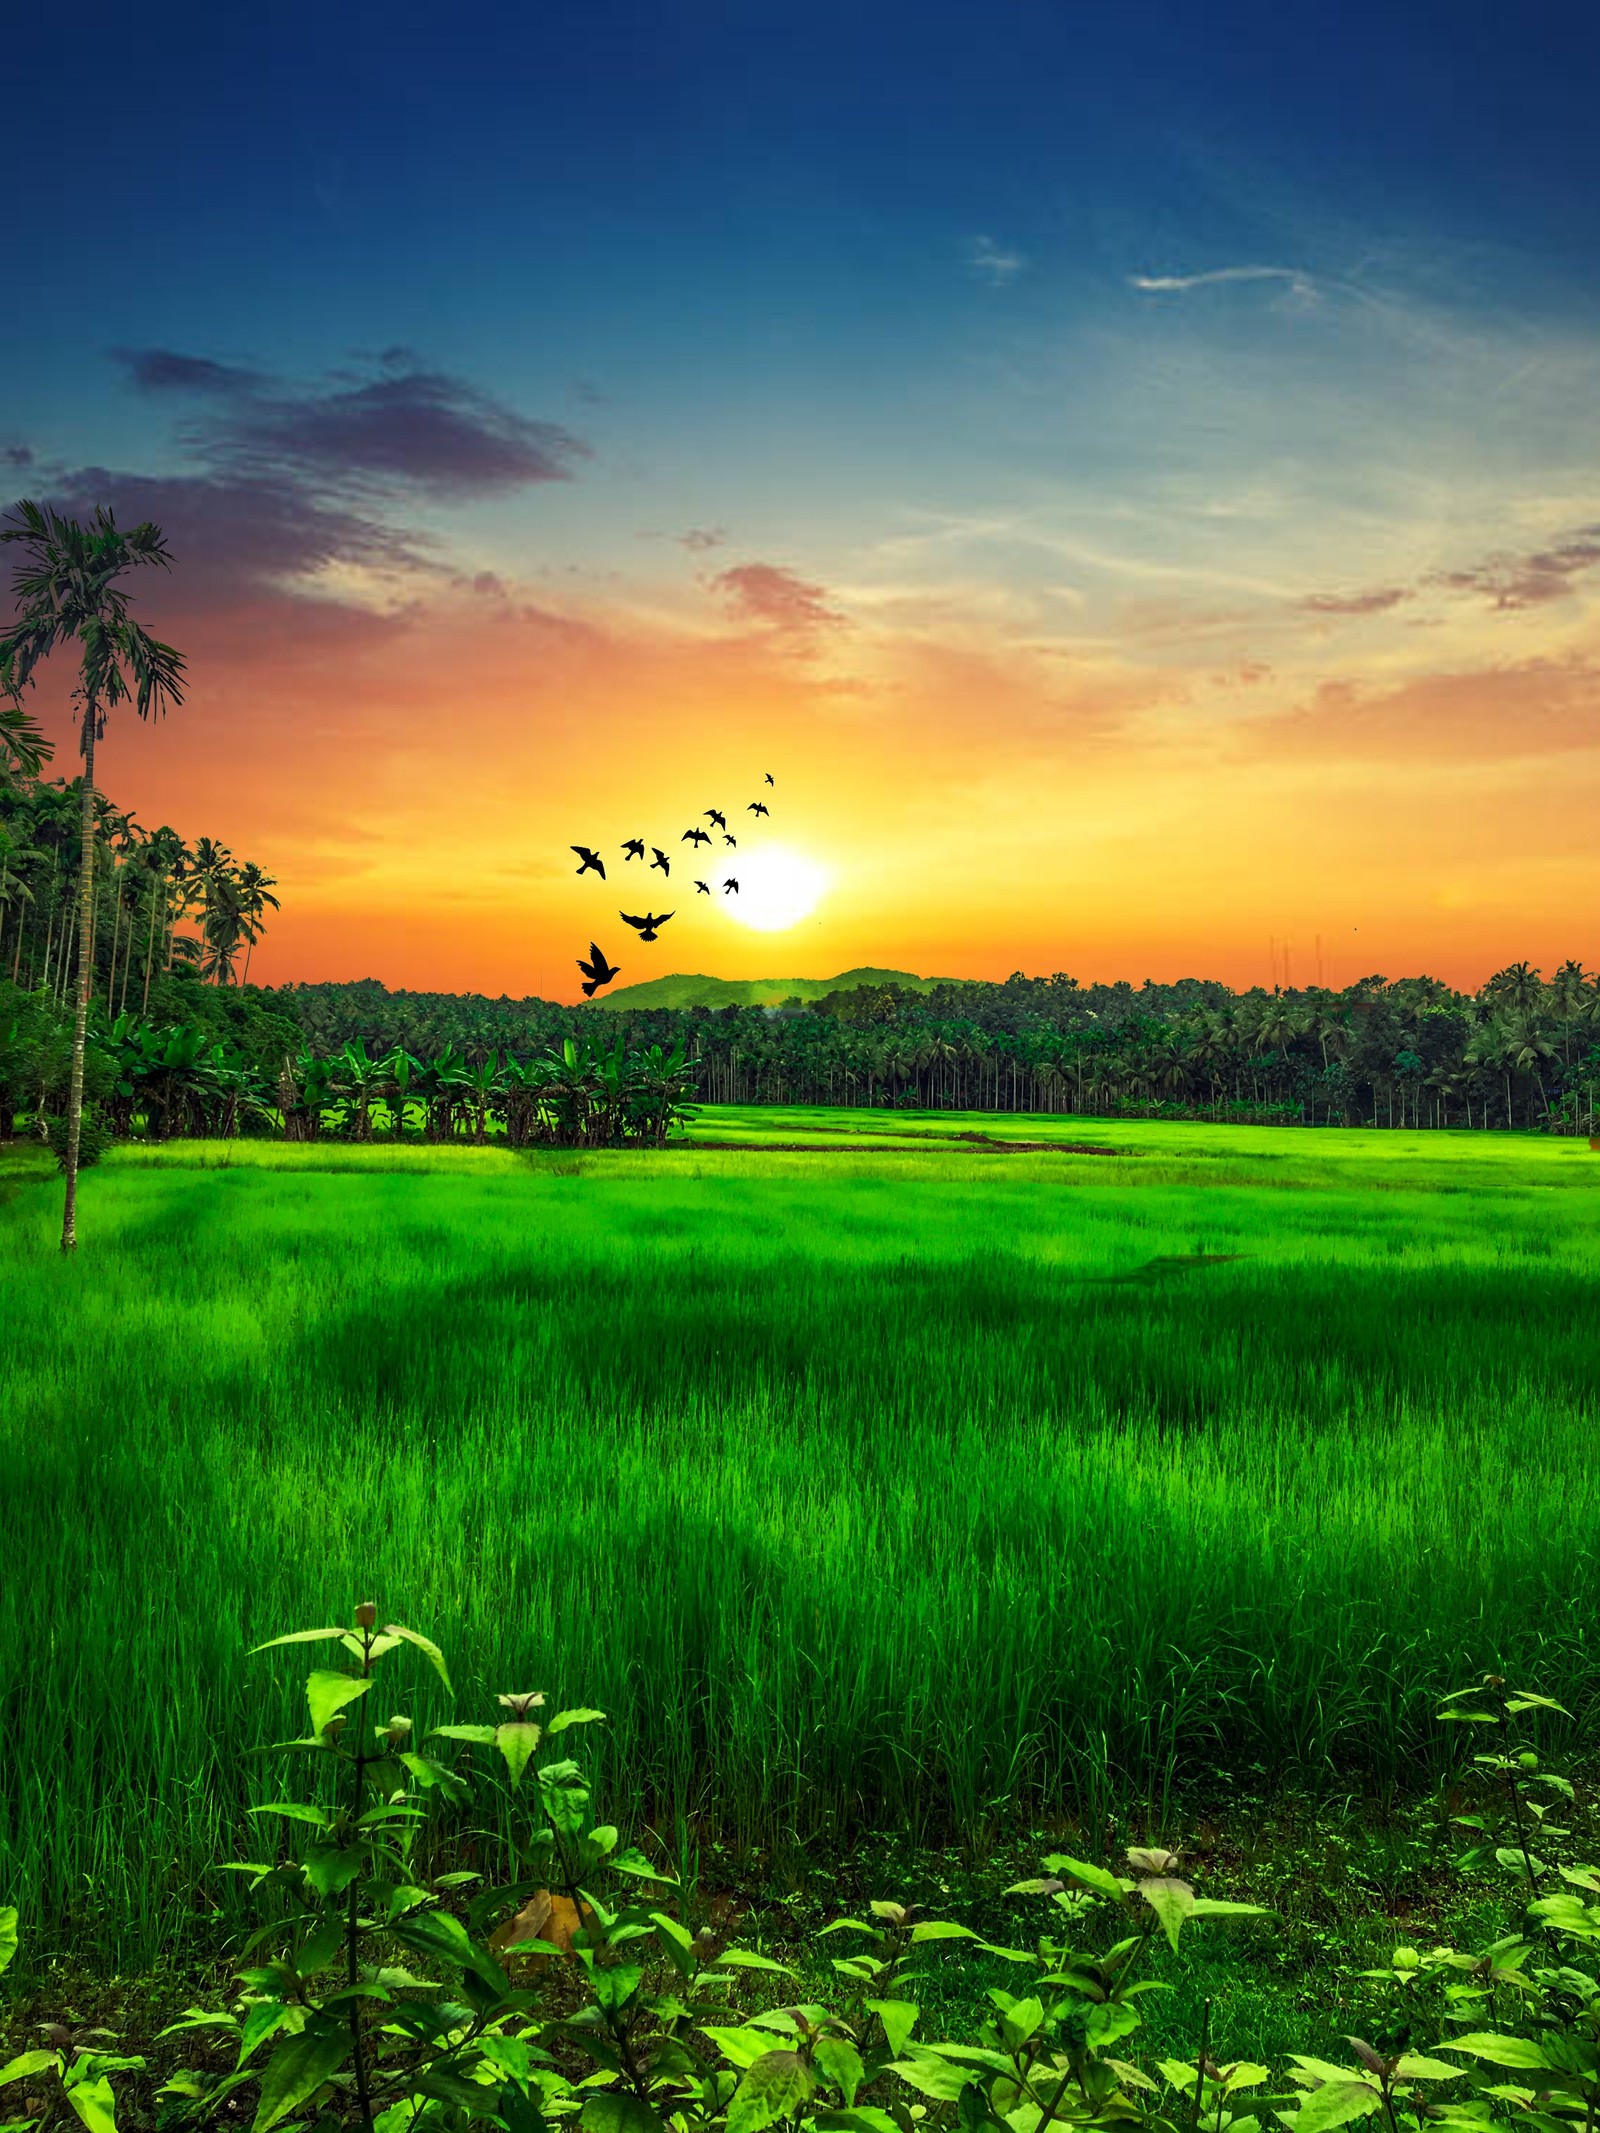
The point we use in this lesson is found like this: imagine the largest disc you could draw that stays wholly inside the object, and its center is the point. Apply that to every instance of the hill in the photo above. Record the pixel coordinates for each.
(683, 990)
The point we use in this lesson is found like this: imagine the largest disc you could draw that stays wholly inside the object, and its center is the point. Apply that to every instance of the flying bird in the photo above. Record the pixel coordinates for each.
(731, 840)
(769, 777)
(758, 807)
(704, 891)
(695, 837)
(715, 814)
(590, 859)
(597, 971)
(730, 887)
(660, 860)
(634, 848)
(645, 927)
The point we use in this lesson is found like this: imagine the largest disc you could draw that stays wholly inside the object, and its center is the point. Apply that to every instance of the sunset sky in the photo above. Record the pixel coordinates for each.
(1131, 474)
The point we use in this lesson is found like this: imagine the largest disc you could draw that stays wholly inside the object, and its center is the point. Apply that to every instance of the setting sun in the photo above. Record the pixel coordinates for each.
(777, 888)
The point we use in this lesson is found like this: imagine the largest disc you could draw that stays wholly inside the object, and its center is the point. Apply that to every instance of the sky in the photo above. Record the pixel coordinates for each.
(1131, 475)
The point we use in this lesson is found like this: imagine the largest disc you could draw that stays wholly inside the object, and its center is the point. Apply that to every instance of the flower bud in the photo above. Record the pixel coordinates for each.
(366, 1614)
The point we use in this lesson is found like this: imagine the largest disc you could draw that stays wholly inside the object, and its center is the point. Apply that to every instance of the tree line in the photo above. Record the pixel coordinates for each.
(1521, 1051)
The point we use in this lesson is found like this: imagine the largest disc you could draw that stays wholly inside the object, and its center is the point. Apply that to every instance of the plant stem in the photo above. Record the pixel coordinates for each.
(352, 1928)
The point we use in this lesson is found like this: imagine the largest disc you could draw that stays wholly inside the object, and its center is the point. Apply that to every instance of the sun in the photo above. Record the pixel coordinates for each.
(777, 888)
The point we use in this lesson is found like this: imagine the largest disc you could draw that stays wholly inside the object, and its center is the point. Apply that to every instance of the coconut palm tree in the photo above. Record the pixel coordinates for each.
(24, 751)
(66, 592)
(253, 893)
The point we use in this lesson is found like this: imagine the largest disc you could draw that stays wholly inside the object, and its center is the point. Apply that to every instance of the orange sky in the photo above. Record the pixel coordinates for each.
(1172, 799)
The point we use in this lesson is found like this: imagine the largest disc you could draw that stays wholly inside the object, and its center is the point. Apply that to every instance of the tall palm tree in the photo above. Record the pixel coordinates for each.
(254, 893)
(66, 592)
(24, 751)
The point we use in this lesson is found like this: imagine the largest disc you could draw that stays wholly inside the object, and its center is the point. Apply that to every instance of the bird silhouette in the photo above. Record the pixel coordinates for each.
(758, 807)
(590, 859)
(695, 837)
(645, 927)
(597, 970)
(715, 814)
(704, 891)
(769, 777)
(634, 848)
(731, 840)
(730, 887)
(660, 860)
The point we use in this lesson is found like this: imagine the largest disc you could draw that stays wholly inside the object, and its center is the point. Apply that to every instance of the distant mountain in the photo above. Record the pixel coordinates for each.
(681, 990)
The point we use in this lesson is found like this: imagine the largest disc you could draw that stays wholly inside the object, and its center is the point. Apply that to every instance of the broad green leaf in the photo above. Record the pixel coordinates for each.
(777, 2086)
(741, 2047)
(1499, 2051)
(1216, 1907)
(1172, 1901)
(1414, 2067)
(940, 1929)
(610, 2112)
(1336, 2103)
(969, 2055)
(29, 2063)
(1109, 2020)
(630, 1860)
(1092, 1877)
(838, 2061)
(517, 1740)
(265, 2019)
(899, 2019)
(296, 1811)
(429, 1650)
(942, 2079)
(94, 2103)
(8, 1935)
(577, 1717)
(744, 1959)
(865, 2118)
(1021, 2020)
(296, 2070)
(330, 1871)
(1525, 1700)
(328, 1693)
(848, 1925)
(299, 1636)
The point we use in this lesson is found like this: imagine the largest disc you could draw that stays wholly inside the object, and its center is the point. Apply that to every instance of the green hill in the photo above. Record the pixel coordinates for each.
(681, 990)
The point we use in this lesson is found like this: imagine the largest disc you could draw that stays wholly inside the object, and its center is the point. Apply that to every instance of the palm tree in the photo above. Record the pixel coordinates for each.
(24, 751)
(66, 592)
(253, 892)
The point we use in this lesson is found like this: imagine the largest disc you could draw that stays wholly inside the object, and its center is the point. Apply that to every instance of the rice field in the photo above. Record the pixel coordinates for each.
(865, 1475)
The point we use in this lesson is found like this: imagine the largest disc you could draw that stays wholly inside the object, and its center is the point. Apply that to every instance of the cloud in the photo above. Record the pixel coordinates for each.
(1299, 284)
(1509, 582)
(408, 428)
(1376, 600)
(699, 538)
(164, 370)
(1532, 707)
(17, 455)
(766, 593)
(996, 265)
(1529, 580)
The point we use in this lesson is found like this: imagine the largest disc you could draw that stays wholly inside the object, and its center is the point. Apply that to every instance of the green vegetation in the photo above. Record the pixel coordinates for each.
(680, 991)
(920, 1487)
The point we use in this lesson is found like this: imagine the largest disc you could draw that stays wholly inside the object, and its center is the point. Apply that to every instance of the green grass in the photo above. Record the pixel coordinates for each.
(916, 1485)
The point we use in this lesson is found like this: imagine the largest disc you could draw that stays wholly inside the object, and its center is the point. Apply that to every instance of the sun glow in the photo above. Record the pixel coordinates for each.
(777, 888)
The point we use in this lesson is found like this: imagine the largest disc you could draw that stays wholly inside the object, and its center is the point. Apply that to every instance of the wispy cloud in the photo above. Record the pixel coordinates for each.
(779, 598)
(995, 263)
(1375, 600)
(1295, 280)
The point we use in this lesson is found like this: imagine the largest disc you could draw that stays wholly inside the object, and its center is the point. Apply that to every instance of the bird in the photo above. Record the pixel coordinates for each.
(660, 860)
(758, 807)
(730, 887)
(597, 970)
(645, 927)
(590, 859)
(704, 891)
(634, 848)
(731, 840)
(769, 777)
(715, 814)
(695, 837)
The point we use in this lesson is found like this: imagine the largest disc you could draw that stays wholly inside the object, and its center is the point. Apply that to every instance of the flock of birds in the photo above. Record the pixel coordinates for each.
(597, 971)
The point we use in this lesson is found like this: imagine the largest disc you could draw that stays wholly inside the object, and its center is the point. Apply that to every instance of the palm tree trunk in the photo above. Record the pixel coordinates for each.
(80, 1025)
